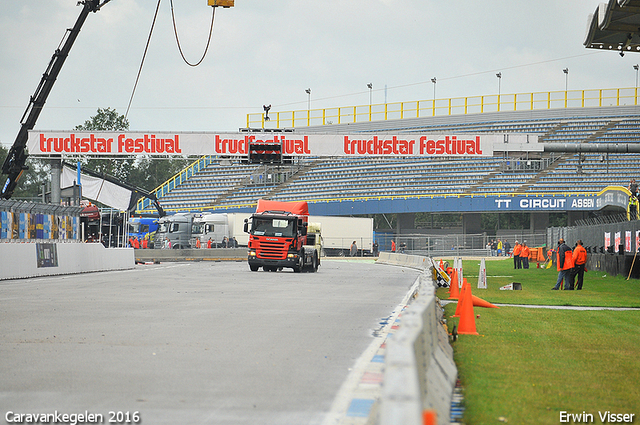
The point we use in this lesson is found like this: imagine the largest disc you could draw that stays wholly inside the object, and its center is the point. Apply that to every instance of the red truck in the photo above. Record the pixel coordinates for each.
(279, 237)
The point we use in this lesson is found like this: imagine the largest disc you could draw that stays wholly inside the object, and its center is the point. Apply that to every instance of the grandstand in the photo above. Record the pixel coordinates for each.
(232, 186)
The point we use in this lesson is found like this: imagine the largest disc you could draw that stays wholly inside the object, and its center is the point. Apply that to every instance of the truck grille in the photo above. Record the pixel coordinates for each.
(272, 250)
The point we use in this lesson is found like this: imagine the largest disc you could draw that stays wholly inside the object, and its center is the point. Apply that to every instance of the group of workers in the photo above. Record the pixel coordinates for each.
(143, 243)
(138, 243)
(521, 253)
(570, 263)
(226, 243)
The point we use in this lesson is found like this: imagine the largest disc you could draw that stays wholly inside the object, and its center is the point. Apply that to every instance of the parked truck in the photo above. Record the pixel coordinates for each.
(143, 228)
(212, 229)
(184, 230)
(174, 231)
(279, 237)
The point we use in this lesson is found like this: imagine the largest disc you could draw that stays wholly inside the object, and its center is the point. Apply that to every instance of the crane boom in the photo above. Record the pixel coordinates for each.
(15, 162)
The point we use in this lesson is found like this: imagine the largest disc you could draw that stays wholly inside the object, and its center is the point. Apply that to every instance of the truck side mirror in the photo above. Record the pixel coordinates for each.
(246, 225)
(303, 229)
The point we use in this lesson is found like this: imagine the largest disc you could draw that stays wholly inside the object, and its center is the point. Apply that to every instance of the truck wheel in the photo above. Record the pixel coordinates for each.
(254, 268)
(314, 263)
(298, 267)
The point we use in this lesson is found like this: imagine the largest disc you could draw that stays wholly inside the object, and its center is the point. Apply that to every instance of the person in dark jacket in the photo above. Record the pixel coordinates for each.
(565, 264)
(506, 246)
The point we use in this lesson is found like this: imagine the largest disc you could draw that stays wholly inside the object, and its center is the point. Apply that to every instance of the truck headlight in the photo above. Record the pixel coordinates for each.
(252, 253)
(292, 255)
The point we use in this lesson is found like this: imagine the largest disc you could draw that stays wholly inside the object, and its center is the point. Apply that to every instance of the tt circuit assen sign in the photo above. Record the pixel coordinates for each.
(293, 144)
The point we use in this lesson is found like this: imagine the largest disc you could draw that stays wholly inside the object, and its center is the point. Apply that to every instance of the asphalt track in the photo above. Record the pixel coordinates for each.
(191, 343)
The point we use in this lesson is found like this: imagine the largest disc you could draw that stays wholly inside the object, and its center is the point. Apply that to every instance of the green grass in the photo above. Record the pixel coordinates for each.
(528, 364)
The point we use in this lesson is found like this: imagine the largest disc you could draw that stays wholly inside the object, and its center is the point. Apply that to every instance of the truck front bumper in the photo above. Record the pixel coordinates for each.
(291, 260)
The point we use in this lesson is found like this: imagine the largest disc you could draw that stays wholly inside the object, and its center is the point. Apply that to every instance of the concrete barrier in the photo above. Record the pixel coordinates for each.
(23, 260)
(404, 260)
(420, 373)
(202, 254)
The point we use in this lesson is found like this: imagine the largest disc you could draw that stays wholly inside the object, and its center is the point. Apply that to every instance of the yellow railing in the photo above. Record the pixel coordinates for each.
(173, 182)
(451, 106)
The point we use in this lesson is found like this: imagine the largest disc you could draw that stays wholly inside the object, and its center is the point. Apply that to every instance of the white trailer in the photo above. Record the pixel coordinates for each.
(236, 227)
(338, 233)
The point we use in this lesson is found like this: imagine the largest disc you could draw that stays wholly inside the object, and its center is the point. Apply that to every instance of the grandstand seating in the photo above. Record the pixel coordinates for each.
(336, 178)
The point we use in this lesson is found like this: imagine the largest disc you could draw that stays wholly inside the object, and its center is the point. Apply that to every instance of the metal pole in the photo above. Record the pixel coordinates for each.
(110, 226)
(56, 169)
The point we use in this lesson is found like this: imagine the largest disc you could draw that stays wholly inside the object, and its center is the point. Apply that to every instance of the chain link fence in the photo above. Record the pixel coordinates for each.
(459, 245)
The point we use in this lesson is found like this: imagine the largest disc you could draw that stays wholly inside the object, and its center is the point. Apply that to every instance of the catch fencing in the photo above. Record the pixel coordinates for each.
(611, 247)
(458, 245)
(27, 222)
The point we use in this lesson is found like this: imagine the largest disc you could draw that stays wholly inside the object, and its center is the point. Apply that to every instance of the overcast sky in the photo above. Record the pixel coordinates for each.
(269, 52)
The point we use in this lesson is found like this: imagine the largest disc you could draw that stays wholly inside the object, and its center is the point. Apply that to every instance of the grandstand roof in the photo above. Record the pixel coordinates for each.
(615, 25)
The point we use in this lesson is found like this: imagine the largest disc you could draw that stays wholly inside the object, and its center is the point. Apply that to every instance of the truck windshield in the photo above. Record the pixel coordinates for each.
(197, 228)
(163, 227)
(272, 227)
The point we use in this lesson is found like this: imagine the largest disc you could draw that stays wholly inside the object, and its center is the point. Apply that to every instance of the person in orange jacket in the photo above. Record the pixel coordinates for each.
(524, 255)
(579, 265)
(517, 264)
(564, 258)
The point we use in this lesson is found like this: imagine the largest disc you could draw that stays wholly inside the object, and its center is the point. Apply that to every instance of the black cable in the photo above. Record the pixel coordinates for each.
(144, 55)
(175, 30)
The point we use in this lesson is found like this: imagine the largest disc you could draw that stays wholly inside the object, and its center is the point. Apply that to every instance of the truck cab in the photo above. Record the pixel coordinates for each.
(207, 227)
(174, 231)
(142, 228)
(278, 237)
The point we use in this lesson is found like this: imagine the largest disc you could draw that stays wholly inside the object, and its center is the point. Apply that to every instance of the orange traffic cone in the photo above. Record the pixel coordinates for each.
(467, 323)
(454, 290)
(463, 294)
(429, 417)
(479, 302)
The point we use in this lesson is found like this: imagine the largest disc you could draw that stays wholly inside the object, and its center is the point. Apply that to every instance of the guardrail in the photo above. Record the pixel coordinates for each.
(447, 106)
(420, 373)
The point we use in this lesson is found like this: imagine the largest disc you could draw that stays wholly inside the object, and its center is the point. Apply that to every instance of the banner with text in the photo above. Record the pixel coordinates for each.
(293, 144)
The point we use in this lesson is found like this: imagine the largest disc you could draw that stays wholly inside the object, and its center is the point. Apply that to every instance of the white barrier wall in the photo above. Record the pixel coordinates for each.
(420, 373)
(23, 260)
(412, 261)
